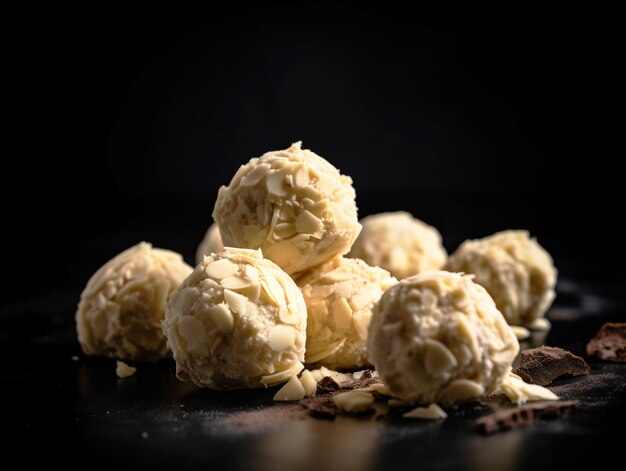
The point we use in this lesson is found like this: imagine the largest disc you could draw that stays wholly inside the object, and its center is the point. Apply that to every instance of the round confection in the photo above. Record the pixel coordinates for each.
(122, 306)
(238, 320)
(212, 243)
(399, 243)
(516, 271)
(438, 337)
(340, 295)
(293, 204)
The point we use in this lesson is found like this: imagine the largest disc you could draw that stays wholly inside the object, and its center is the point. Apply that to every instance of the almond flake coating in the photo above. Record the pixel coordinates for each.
(224, 323)
(292, 204)
(400, 244)
(340, 295)
(122, 306)
(438, 337)
(514, 269)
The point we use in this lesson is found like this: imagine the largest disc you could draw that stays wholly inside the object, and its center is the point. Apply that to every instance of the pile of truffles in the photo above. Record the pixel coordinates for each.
(288, 277)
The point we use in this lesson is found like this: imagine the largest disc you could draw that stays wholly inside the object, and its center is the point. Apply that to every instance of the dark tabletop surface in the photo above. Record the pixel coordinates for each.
(69, 408)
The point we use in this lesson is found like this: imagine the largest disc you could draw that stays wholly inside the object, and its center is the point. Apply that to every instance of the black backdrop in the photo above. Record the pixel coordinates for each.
(128, 122)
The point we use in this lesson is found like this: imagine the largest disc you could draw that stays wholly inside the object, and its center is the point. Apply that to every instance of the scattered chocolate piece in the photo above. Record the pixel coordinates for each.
(364, 380)
(528, 414)
(327, 385)
(545, 364)
(609, 343)
(321, 407)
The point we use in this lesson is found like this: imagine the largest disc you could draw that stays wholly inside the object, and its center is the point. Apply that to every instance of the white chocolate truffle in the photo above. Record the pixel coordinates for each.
(121, 308)
(212, 243)
(238, 320)
(293, 204)
(514, 269)
(399, 243)
(340, 295)
(438, 337)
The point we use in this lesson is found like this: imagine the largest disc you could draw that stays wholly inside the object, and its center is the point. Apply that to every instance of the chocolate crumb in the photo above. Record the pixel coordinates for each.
(366, 379)
(609, 343)
(528, 414)
(263, 418)
(320, 407)
(545, 364)
(327, 385)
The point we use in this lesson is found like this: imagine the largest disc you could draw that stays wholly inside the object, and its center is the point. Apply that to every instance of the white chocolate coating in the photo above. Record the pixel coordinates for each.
(211, 243)
(514, 269)
(340, 295)
(121, 308)
(399, 243)
(438, 337)
(293, 204)
(238, 320)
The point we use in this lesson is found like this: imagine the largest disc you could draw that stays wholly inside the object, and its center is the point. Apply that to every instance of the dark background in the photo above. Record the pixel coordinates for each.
(123, 125)
(475, 121)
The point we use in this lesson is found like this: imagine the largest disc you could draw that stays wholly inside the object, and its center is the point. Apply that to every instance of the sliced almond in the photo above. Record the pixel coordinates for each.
(541, 323)
(192, 330)
(281, 337)
(123, 370)
(276, 184)
(291, 391)
(281, 376)
(312, 193)
(338, 274)
(289, 314)
(322, 291)
(342, 313)
(285, 229)
(308, 223)
(309, 383)
(462, 390)
(236, 302)
(301, 177)
(319, 208)
(235, 282)
(380, 388)
(432, 412)
(362, 298)
(319, 311)
(313, 356)
(221, 269)
(271, 287)
(522, 333)
(223, 318)
(437, 358)
(520, 392)
(361, 323)
(353, 401)
(255, 176)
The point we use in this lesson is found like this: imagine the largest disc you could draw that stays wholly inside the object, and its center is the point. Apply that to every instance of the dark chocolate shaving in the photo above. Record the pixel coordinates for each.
(610, 343)
(327, 385)
(528, 414)
(545, 364)
(320, 407)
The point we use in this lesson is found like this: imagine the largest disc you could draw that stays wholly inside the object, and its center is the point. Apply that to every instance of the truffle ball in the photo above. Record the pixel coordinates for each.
(438, 337)
(340, 295)
(514, 269)
(212, 243)
(293, 204)
(399, 243)
(238, 320)
(121, 308)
